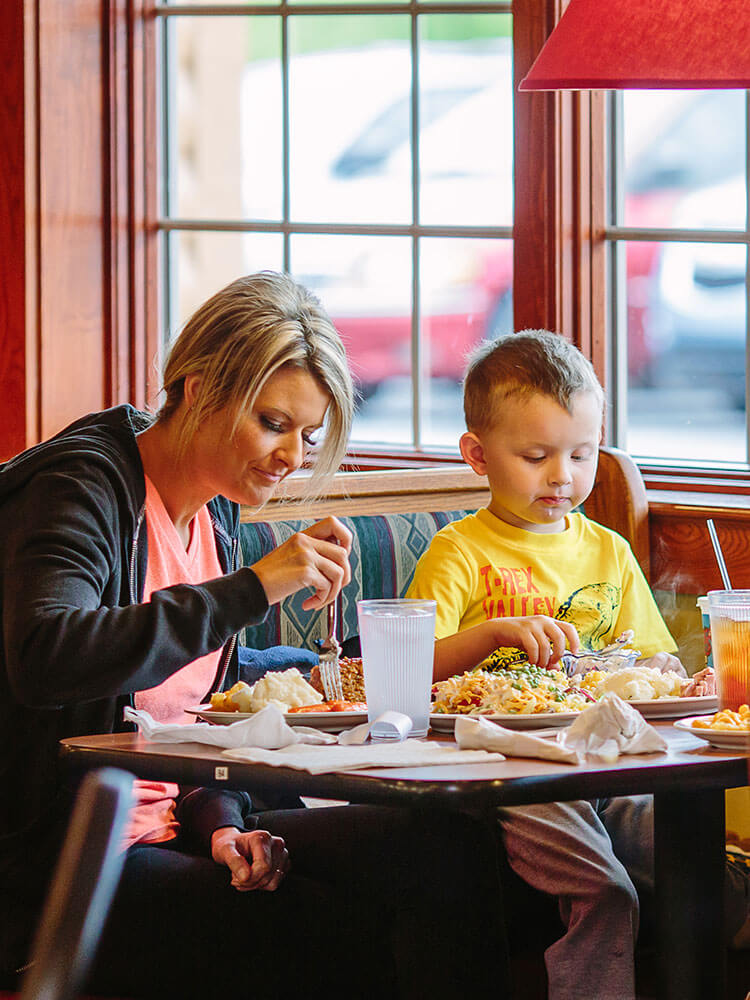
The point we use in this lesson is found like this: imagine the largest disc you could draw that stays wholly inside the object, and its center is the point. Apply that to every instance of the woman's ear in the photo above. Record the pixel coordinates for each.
(472, 452)
(190, 389)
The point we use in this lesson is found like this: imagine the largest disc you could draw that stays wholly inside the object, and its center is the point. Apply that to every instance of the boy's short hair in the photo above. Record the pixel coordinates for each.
(520, 364)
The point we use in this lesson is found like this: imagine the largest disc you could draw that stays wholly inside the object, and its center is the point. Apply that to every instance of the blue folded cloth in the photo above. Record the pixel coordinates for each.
(254, 663)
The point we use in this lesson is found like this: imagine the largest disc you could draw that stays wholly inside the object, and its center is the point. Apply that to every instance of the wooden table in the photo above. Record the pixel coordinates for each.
(687, 781)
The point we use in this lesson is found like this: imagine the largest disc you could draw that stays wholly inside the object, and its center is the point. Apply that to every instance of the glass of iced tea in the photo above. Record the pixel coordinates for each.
(729, 611)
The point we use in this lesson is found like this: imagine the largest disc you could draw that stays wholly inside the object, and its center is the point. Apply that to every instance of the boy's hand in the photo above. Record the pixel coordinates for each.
(542, 638)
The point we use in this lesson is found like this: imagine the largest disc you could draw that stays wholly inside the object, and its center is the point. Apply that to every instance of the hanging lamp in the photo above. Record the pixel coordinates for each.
(646, 44)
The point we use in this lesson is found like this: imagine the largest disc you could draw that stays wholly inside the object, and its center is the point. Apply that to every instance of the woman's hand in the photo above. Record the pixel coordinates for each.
(269, 859)
(542, 638)
(317, 557)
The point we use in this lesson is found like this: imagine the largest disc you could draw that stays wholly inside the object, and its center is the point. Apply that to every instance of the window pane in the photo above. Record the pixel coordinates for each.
(364, 282)
(466, 297)
(341, 154)
(466, 120)
(202, 263)
(686, 351)
(349, 107)
(226, 121)
(677, 142)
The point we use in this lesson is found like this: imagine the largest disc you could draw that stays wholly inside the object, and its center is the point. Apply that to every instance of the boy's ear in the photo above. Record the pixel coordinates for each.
(472, 452)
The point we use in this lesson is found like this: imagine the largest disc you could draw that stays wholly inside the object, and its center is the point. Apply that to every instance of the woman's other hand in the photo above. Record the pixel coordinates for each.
(317, 558)
(256, 859)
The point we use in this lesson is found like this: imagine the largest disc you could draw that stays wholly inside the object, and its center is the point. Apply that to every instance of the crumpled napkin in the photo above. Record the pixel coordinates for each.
(321, 760)
(476, 732)
(268, 728)
(611, 727)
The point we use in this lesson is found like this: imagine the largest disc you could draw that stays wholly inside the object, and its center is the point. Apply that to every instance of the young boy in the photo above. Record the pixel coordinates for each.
(529, 575)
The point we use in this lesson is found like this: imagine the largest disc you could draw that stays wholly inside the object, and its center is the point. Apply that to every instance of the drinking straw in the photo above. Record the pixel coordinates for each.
(719, 554)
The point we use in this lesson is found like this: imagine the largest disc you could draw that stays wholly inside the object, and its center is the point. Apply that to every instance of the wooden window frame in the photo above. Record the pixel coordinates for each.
(79, 299)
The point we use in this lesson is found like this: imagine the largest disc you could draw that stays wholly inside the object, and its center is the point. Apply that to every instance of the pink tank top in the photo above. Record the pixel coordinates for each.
(152, 817)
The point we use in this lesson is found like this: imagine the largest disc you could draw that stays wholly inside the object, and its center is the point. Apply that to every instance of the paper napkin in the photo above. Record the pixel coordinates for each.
(476, 732)
(391, 725)
(611, 727)
(267, 728)
(321, 760)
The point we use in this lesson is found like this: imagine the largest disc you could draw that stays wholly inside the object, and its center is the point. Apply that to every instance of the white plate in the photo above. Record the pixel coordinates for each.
(328, 722)
(654, 708)
(443, 722)
(725, 739)
(675, 708)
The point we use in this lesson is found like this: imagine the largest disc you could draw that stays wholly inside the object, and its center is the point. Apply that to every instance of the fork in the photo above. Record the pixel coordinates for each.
(614, 651)
(328, 659)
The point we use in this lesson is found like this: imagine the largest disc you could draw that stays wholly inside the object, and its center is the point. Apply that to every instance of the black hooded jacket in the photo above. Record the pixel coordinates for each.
(77, 644)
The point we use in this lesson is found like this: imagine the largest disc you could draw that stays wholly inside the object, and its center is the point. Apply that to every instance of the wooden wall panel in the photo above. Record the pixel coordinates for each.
(13, 208)
(77, 293)
(682, 559)
(74, 326)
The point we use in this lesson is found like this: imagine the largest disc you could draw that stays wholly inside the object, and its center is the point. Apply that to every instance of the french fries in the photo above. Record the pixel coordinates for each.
(726, 719)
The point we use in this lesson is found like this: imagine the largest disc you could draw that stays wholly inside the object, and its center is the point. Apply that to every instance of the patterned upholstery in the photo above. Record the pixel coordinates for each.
(385, 551)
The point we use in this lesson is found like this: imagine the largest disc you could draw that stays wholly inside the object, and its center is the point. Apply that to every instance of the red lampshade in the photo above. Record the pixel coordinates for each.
(646, 44)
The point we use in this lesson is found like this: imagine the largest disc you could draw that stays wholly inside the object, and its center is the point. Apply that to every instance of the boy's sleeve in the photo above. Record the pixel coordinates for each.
(640, 612)
(442, 574)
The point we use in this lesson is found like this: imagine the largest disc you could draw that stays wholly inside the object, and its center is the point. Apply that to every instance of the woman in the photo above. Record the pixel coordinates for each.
(120, 585)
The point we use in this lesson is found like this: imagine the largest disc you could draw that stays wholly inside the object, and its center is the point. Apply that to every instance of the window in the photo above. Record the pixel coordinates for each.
(370, 154)
(678, 235)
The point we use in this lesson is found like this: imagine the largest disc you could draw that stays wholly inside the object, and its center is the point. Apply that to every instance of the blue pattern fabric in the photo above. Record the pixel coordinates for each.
(254, 663)
(385, 550)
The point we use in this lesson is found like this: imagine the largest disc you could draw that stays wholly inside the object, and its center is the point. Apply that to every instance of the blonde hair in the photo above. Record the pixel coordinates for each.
(243, 335)
(521, 364)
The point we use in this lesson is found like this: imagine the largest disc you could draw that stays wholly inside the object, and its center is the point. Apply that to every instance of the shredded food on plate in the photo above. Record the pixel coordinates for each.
(525, 690)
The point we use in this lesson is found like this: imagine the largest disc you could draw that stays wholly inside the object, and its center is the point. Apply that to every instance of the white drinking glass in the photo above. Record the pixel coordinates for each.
(398, 642)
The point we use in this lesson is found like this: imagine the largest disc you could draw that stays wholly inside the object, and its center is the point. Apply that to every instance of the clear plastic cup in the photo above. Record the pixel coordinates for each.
(729, 611)
(398, 643)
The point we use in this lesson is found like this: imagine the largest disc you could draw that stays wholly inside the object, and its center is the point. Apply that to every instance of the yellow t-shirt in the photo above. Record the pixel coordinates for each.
(480, 568)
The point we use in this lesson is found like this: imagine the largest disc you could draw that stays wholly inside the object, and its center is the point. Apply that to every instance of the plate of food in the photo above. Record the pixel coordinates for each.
(523, 691)
(718, 732)
(676, 708)
(329, 717)
(444, 722)
(300, 702)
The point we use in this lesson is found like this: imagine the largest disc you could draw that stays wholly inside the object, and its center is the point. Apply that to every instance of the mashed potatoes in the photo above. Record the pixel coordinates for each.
(287, 689)
(640, 684)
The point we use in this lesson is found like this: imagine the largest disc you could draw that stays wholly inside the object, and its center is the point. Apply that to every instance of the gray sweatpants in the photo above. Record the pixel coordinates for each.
(595, 857)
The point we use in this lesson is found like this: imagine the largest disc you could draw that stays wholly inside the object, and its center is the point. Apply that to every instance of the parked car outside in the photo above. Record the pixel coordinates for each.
(697, 319)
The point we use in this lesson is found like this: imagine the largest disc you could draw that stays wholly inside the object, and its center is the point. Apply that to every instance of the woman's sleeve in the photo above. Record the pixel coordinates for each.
(65, 573)
(200, 811)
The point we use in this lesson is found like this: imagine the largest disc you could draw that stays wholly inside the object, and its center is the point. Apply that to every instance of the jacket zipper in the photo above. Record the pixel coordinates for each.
(133, 554)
